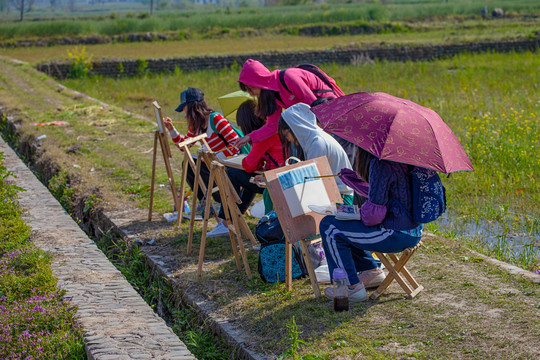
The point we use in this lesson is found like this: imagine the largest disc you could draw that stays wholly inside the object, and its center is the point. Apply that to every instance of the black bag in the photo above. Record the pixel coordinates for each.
(269, 229)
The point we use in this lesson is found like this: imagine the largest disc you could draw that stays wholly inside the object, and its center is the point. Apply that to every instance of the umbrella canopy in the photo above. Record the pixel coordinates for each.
(229, 103)
(394, 129)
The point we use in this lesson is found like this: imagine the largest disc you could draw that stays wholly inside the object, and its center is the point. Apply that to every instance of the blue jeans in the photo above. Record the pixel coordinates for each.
(348, 245)
(245, 189)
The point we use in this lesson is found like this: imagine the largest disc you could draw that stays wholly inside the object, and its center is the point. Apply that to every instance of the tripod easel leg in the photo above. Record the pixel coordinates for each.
(231, 217)
(152, 181)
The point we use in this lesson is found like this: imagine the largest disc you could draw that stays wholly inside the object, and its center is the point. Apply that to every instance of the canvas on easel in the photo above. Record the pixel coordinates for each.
(292, 189)
(188, 161)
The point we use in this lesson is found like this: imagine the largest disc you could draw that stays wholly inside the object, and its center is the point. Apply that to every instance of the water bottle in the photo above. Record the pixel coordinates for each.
(186, 206)
(341, 293)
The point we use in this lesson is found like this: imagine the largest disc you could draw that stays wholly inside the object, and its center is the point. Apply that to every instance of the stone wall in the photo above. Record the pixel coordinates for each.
(129, 67)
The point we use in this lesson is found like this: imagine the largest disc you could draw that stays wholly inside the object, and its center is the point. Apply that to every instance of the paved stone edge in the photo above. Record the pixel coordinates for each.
(118, 323)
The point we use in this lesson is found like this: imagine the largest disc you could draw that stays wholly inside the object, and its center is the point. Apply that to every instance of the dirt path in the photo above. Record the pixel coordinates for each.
(470, 309)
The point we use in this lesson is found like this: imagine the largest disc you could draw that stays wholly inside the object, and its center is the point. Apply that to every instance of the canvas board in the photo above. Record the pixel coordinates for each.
(322, 191)
(159, 116)
(301, 189)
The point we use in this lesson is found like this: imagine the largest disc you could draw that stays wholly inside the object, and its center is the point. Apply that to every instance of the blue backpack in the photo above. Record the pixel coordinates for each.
(271, 264)
(428, 196)
(244, 149)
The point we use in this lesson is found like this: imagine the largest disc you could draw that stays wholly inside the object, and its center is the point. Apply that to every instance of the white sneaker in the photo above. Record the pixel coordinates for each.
(220, 230)
(357, 294)
(372, 278)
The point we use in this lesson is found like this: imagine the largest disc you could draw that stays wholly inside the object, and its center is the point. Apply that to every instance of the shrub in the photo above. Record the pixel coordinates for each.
(80, 63)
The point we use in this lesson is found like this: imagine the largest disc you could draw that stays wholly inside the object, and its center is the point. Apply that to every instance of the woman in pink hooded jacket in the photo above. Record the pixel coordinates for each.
(274, 95)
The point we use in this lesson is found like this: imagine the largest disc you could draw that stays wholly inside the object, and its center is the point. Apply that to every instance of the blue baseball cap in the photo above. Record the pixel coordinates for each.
(189, 95)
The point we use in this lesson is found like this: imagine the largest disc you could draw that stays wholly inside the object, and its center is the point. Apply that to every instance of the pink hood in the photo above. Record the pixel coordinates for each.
(255, 74)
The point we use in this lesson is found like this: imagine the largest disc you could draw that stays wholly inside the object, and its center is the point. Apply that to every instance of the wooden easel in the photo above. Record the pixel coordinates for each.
(188, 160)
(159, 136)
(303, 228)
(235, 221)
(199, 183)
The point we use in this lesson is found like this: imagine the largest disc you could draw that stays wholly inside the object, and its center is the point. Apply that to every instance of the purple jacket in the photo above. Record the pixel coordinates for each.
(388, 180)
(301, 84)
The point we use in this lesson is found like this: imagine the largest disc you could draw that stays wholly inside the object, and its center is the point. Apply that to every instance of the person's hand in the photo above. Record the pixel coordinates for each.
(258, 178)
(168, 123)
(242, 141)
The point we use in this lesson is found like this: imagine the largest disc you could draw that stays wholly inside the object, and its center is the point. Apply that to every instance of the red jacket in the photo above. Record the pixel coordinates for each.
(258, 156)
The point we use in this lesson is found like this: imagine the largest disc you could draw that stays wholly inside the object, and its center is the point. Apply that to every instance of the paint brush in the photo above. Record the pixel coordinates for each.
(320, 176)
(222, 150)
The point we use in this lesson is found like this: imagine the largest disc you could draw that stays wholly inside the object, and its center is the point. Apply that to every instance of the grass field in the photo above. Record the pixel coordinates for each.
(464, 296)
(443, 32)
(490, 101)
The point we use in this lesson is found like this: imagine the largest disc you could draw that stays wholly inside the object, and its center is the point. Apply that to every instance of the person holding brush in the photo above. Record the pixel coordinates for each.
(297, 126)
(279, 89)
(264, 155)
(198, 115)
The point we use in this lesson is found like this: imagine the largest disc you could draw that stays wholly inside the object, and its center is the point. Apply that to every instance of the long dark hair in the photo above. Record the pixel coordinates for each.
(289, 149)
(363, 159)
(246, 117)
(266, 105)
(197, 113)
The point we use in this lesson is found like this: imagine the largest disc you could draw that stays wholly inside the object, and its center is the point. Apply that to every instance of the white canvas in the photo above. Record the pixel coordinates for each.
(301, 190)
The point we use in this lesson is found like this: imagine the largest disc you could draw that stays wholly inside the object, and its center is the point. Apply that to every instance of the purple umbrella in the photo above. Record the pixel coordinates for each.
(394, 129)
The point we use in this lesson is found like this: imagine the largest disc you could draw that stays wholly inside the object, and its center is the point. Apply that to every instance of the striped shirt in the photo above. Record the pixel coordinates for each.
(213, 139)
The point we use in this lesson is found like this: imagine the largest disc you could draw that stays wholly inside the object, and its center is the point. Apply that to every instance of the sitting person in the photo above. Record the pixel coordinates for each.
(264, 155)
(198, 113)
(298, 126)
(384, 225)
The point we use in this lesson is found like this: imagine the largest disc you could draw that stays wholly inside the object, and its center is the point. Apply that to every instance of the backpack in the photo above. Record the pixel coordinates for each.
(244, 149)
(428, 195)
(331, 83)
(271, 263)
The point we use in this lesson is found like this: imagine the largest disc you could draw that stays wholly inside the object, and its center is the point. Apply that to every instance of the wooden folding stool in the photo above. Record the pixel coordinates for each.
(398, 271)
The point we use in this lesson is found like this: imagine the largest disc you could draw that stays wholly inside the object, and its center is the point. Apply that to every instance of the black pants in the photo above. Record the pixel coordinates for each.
(245, 189)
(205, 175)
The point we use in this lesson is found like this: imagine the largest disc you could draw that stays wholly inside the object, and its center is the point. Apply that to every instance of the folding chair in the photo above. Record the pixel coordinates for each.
(397, 271)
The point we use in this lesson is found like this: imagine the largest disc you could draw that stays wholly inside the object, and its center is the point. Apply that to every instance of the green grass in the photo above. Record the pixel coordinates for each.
(451, 319)
(488, 100)
(420, 33)
(37, 321)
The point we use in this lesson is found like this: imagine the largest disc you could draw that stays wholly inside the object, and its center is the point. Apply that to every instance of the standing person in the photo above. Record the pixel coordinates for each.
(384, 226)
(264, 155)
(198, 113)
(298, 125)
(275, 93)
